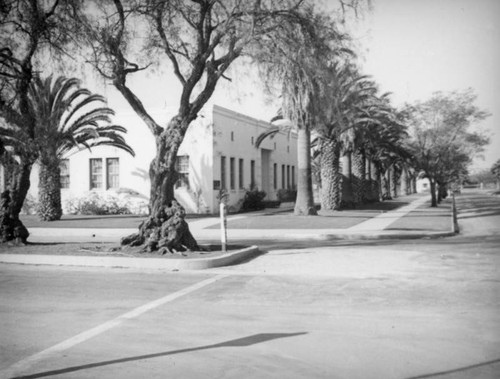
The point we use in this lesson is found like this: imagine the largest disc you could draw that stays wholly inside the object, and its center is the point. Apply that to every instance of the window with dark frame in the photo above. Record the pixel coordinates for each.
(96, 173)
(241, 177)
(182, 168)
(252, 174)
(288, 176)
(112, 173)
(232, 173)
(275, 176)
(223, 172)
(64, 177)
(293, 177)
(283, 176)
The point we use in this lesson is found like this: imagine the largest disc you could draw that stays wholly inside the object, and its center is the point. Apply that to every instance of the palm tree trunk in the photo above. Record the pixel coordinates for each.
(394, 181)
(330, 175)
(358, 176)
(386, 184)
(165, 229)
(404, 181)
(49, 191)
(347, 188)
(304, 205)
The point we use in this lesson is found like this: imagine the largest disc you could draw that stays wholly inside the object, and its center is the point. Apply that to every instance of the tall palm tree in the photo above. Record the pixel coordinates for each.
(297, 61)
(348, 98)
(69, 119)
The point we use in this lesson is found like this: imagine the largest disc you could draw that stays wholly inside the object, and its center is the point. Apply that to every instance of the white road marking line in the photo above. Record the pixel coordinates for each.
(28, 362)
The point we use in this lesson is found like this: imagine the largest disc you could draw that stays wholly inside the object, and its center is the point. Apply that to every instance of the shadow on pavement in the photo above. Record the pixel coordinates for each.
(240, 342)
(460, 369)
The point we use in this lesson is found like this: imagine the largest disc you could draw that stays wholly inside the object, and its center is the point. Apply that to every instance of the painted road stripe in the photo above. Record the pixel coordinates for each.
(29, 362)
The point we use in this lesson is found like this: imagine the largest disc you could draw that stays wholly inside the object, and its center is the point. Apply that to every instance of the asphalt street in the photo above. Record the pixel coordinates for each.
(347, 309)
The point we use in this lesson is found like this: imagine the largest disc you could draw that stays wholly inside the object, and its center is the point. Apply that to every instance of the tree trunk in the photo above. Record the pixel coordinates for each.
(347, 190)
(404, 181)
(49, 191)
(304, 205)
(358, 176)
(394, 181)
(433, 192)
(12, 199)
(331, 190)
(165, 229)
(386, 184)
(374, 182)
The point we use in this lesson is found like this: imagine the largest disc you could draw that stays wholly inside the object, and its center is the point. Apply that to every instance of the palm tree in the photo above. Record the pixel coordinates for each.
(349, 98)
(69, 119)
(298, 61)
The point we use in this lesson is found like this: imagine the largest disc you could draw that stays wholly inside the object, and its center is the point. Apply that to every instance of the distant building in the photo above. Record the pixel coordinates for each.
(423, 185)
(218, 152)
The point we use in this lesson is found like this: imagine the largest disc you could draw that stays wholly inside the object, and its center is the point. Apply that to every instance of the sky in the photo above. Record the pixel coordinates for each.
(412, 48)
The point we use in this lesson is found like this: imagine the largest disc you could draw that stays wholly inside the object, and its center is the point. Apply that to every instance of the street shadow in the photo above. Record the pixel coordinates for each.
(454, 371)
(239, 342)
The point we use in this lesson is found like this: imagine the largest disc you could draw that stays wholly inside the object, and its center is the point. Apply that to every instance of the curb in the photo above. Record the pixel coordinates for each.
(140, 263)
(389, 235)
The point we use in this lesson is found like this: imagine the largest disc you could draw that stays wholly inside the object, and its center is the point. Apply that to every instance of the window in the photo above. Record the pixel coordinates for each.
(293, 177)
(64, 167)
(252, 140)
(275, 176)
(112, 173)
(223, 172)
(231, 174)
(241, 178)
(283, 176)
(182, 168)
(252, 174)
(95, 173)
(232, 136)
(288, 176)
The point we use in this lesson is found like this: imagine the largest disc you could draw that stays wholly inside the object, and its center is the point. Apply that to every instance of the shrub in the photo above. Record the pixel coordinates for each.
(94, 204)
(286, 195)
(253, 200)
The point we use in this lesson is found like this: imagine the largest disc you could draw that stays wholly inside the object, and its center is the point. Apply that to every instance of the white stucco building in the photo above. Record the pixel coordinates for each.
(218, 152)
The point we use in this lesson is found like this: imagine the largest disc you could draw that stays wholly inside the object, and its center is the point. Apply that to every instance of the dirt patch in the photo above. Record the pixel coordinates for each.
(110, 250)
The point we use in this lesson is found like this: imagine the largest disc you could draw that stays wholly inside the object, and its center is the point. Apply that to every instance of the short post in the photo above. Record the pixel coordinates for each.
(454, 217)
(223, 227)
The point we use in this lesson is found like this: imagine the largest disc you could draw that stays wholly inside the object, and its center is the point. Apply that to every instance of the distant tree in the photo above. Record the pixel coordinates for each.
(484, 176)
(495, 170)
(69, 119)
(442, 143)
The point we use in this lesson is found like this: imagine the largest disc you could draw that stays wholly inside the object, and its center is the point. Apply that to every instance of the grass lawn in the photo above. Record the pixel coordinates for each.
(91, 221)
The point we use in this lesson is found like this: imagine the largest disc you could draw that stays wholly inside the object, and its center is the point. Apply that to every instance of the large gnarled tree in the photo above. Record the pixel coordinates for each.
(200, 39)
